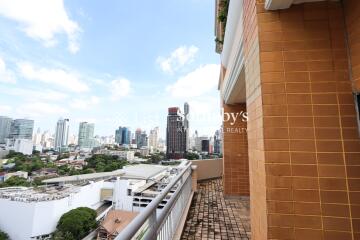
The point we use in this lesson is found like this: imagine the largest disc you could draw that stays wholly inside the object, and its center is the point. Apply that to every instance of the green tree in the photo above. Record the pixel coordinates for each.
(15, 181)
(4, 236)
(76, 224)
(192, 156)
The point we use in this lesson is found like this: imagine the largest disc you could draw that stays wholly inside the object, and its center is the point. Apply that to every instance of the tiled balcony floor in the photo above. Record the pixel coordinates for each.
(213, 217)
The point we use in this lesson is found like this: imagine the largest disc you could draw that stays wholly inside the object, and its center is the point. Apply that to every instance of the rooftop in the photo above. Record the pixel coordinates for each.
(117, 220)
(211, 216)
(26, 194)
(140, 171)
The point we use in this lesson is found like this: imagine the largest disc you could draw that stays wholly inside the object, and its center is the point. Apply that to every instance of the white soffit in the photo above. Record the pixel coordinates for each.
(283, 4)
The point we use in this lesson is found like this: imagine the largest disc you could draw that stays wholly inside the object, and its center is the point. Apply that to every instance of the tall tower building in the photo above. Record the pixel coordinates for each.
(153, 138)
(186, 125)
(86, 135)
(21, 129)
(217, 142)
(123, 135)
(37, 137)
(5, 125)
(118, 135)
(138, 137)
(61, 134)
(175, 134)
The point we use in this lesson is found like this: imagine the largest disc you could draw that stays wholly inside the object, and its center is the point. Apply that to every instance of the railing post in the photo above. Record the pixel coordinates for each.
(194, 177)
(152, 232)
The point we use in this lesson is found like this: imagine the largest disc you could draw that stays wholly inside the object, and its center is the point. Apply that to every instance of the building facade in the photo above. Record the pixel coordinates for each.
(123, 135)
(61, 134)
(5, 125)
(86, 135)
(154, 138)
(21, 129)
(175, 134)
(292, 72)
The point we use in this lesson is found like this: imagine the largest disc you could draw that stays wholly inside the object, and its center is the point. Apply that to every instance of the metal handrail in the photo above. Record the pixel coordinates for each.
(143, 216)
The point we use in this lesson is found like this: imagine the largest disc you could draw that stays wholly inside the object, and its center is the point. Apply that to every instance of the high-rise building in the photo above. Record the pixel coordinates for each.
(86, 135)
(61, 134)
(138, 137)
(186, 125)
(118, 135)
(205, 145)
(37, 137)
(123, 135)
(175, 134)
(5, 125)
(21, 129)
(141, 138)
(153, 138)
(217, 142)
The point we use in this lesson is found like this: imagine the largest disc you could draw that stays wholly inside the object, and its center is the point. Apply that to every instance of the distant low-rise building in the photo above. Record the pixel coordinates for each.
(24, 146)
(127, 155)
(20, 174)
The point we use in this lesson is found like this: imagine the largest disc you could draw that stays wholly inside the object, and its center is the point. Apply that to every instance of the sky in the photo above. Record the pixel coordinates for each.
(113, 63)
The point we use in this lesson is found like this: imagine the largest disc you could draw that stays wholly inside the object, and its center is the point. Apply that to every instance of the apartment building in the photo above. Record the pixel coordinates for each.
(293, 68)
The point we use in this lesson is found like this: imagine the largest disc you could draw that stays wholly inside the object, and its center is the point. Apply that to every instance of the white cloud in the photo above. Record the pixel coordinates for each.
(85, 103)
(6, 75)
(42, 20)
(40, 109)
(177, 59)
(119, 88)
(89, 120)
(196, 83)
(4, 109)
(32, 95)
(54, 76)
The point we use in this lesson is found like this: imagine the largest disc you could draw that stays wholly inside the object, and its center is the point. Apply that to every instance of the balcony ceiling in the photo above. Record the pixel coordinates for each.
(283, 4)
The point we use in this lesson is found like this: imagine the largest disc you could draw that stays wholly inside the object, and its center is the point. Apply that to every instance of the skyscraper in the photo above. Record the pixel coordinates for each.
(186, 125)
(5, 124)
(217, 142)
(86, 135)
(21, 129)
(122, 135)
(153, 138)
(138, 137)
(61, 134)
(118, 135)
(176, 134)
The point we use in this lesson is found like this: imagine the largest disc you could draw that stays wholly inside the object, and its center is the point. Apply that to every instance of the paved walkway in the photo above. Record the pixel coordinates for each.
(213, 217)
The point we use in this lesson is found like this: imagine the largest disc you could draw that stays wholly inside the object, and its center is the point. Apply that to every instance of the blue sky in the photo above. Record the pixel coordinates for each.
(109, 62)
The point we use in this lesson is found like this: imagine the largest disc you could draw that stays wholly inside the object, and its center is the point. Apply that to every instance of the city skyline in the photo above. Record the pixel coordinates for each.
(48, 74)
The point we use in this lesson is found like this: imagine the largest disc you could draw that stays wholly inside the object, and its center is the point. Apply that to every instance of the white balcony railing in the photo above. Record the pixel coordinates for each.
(153, 223)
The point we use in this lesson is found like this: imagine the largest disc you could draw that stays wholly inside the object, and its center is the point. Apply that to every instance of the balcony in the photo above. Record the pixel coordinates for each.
(212, 216)
(196, 210)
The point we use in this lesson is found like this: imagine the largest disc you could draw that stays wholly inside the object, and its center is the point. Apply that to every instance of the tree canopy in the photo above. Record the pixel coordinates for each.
(4, 236)
(105, 163)
(15, 181)
(76, 224)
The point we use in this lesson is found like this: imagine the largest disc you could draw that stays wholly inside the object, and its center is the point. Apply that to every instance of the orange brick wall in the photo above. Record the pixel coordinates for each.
(235, 153)
(255, 133)
(352, 12)
(311, 145)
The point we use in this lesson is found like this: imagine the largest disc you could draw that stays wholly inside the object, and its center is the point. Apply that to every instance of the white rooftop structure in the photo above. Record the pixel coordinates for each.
(139, 171)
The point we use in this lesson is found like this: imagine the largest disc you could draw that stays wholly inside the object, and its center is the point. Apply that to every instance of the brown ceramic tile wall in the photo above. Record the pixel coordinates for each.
(255, 133)
(310, 137)
(236, 163)
(352, 13)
